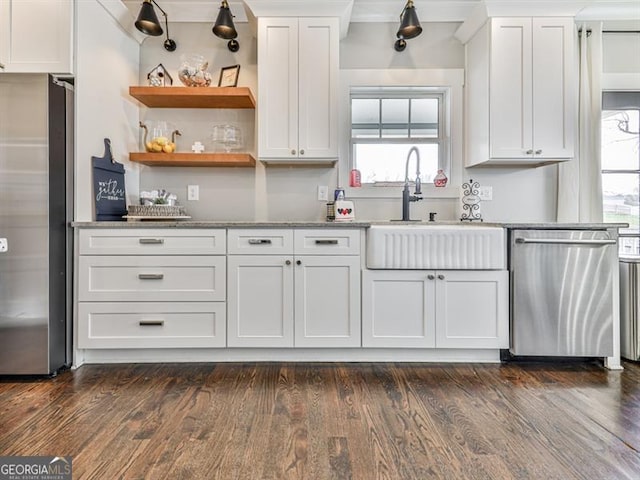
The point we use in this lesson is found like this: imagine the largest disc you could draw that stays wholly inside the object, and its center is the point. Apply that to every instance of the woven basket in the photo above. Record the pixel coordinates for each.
(156, 211)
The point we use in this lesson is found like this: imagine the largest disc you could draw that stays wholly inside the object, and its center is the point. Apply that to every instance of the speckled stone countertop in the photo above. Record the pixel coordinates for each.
(220, 224)
(323, 224)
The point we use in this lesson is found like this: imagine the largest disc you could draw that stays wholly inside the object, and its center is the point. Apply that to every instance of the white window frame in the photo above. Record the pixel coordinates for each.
(449, 80)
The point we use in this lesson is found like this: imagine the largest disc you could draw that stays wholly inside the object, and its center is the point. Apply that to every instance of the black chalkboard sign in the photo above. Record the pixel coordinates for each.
(108, 186)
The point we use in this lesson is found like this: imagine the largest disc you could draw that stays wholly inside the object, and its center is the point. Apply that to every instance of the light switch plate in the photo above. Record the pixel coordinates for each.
(323, 193)
(485, 193)
(4, 245)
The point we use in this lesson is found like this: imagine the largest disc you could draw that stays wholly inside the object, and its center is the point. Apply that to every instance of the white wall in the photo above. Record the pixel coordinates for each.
(107, 60)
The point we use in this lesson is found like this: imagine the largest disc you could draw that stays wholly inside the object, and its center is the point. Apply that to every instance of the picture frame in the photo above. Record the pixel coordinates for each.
(229, 76)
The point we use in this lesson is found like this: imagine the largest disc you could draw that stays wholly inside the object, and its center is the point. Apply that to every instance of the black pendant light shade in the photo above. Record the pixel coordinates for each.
(224, 27)
(409, 26)
(148, 23)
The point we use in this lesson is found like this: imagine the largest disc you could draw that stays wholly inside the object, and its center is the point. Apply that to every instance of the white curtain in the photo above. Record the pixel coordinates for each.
(580, 179)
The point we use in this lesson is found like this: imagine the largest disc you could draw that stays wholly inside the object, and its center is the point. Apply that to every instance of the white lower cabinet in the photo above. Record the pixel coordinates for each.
(435, 309)
(293, 300)
(141, 288)
(260, 301)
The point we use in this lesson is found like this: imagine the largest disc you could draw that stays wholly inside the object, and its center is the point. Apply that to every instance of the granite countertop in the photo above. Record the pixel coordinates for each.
(220, 224)
(324, 224)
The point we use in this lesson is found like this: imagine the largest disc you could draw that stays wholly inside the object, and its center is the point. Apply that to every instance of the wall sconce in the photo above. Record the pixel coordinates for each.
(409, 26)
(224, 27)
(148, 23)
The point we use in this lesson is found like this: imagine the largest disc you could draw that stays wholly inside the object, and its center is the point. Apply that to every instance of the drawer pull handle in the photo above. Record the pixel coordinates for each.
(151, 276)
(151, 241)
(327, 242)
(151, 323)
(431, 277)
(441, 277)
(259, 241)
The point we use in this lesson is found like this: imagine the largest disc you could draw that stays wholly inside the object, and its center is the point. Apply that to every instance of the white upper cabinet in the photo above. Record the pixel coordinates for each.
(521, 92)
(36, 36)
(297, 88)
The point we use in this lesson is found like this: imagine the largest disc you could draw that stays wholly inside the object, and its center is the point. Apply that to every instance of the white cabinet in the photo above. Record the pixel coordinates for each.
(36, 36)
(472, 309)
(298, 68)
(291, 288)
(435, 309)
(398, 309)
(151, 288)
(522, 72)
(260, 301)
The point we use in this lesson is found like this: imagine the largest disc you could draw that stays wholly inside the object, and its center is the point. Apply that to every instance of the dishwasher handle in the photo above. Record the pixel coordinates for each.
(565, 241)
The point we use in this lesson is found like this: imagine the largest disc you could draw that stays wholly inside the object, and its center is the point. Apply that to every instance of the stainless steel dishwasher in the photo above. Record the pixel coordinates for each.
(562, 292)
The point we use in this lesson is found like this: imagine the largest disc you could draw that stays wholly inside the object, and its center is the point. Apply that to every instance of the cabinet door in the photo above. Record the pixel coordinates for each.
(318, 87)
(260, 301)
(472, 309)
(36, 36)
(278, 87)
(510, 103)
(327, 301)
(554, 87)
(398, 309)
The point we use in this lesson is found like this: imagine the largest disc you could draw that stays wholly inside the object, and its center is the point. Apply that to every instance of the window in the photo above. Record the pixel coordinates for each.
(387, 121)
(621, 165)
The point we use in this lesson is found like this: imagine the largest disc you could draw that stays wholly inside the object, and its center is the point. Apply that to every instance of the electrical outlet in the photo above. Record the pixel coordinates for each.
(193, 192)
(485, 193)
(323, 193)
(4, 245)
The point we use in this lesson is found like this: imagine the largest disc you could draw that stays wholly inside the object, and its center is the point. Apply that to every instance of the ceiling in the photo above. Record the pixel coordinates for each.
(389, 10)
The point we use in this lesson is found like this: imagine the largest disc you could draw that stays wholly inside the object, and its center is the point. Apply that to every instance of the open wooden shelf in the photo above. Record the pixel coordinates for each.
(194, 97)
(188, 159)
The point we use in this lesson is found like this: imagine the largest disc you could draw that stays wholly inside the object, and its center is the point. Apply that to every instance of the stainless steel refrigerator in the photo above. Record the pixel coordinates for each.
(36, 208)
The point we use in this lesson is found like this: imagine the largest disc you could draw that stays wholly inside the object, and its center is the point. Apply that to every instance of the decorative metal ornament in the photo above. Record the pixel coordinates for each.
(471, 202)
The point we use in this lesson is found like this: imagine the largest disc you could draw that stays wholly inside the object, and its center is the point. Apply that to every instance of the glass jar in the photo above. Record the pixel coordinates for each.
(440, 180)
(159, 136)
(226, 137)
(193, 71)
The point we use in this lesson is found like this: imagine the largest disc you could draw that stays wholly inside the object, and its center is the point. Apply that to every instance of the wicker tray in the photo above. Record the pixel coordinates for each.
(156, 211)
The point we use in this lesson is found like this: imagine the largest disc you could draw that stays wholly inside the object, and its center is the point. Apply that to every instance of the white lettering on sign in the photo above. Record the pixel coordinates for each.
(109, 190)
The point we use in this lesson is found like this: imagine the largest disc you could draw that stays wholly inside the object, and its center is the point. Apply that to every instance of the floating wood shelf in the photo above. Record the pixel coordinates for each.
(194, 97)
(193, 159)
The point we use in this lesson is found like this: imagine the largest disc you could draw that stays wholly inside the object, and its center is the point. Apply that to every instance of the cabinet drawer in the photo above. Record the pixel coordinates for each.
(151, 325)
(327, 242)
(152, 241)
(260, 242)
(152, 279)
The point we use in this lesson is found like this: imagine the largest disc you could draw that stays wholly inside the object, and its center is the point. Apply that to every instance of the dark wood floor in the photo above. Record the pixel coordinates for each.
(338, 421)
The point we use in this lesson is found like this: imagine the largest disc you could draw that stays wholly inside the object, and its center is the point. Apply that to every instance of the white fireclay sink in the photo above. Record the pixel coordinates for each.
(427, 247)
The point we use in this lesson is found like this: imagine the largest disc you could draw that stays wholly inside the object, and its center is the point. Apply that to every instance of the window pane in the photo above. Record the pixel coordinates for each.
(395, 117)
(365, 110)
(386, 162)
(395, 110)
(620, 199)
(424, 117)
(620, 140)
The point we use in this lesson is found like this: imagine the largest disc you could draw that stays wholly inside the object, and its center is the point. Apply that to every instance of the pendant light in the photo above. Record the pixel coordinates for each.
(224, 27)
(148, 23)
(409, 26)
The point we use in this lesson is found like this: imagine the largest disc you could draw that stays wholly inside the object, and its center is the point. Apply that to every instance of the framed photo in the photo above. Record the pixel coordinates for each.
(229, 76)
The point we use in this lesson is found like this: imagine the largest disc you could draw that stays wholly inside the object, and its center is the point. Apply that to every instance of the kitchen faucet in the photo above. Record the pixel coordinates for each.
(406, 197)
